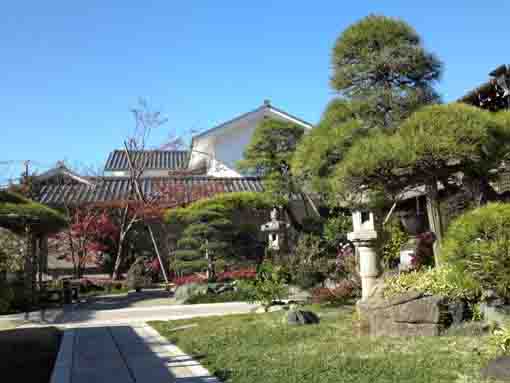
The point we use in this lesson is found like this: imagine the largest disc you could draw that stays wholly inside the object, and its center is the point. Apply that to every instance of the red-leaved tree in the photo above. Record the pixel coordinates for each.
(83, 241)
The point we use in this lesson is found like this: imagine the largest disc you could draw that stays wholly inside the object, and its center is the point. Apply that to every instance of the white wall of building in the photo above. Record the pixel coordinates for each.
(225, 145)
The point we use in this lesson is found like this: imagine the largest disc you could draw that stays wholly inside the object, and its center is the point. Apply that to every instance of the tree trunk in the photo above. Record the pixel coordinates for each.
(293, 219)
(434, 217)
(30, 267)
(211, 272)
(118, 260)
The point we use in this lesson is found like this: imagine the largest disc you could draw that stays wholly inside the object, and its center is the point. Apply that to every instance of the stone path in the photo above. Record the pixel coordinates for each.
(83, 316)
(126, 354)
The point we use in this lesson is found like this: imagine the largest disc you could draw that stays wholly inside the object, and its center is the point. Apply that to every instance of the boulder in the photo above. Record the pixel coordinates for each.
(301, 317)
(184, 292)
(137, 277)
(498, 368)
(410, 314)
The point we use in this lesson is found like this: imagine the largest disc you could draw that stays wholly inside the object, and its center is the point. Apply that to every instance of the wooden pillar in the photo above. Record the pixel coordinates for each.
(30, 266)
(434, 217)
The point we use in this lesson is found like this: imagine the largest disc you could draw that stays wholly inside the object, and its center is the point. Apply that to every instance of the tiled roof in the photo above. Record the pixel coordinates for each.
(156, 159)
(114, 189)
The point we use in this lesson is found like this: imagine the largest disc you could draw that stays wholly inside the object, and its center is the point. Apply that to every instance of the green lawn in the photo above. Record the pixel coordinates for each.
(28, 355)
(260, 348)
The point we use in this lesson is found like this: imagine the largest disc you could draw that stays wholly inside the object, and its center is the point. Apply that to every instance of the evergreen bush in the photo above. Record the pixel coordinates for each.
(478, 244)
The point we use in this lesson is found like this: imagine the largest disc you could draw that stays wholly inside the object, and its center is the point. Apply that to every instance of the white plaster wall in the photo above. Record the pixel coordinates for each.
(225, 146)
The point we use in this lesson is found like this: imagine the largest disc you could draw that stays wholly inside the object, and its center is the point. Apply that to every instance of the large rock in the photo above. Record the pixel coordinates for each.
(137, 277)
(301, 317)
(410, 314)
(184, 292)
(498, 368)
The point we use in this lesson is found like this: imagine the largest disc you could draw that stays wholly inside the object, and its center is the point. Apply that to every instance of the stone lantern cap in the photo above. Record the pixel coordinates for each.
(274, 225)
(363, 226)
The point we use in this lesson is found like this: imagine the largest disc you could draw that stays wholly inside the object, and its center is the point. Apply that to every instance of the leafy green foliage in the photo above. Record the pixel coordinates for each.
(230, 202)
(269, 286)
(390, 242)
(11, 247)
(499, 342)
(431, 145)
(325, 145)
(209, 225)
(478, 243)
(269, 154)
(381, 61)
(445, 280)
(205, 240)
(17, 211)
(308, 265)
(336, 228)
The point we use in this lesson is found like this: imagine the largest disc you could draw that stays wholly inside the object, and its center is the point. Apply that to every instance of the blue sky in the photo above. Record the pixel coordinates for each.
(71, 70)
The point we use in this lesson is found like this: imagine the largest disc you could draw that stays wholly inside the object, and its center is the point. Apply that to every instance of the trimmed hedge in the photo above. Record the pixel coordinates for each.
(227, 203)
(16, 211)
(478, 243)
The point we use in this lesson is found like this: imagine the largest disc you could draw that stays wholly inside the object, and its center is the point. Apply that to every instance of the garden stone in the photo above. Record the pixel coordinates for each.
(136, 275)
(184, 292)
(498, 314)
(410, 314)
(498, 368)
(301, 317)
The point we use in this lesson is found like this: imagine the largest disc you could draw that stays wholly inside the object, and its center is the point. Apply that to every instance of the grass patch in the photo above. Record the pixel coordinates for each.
(261, 348)
(28, 355)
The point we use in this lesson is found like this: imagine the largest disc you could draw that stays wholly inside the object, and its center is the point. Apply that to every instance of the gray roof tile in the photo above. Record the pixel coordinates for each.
(156, 159)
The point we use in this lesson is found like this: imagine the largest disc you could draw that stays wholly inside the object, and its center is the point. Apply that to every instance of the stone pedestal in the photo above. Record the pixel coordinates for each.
(363, 236)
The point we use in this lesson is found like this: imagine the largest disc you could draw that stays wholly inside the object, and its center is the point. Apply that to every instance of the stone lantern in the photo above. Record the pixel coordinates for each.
(363, 236)
(277, 233)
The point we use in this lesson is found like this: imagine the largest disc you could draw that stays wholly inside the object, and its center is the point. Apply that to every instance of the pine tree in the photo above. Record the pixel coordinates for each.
(381, 62)
(206, 241)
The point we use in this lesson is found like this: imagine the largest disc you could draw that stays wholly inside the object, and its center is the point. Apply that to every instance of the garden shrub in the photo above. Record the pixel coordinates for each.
(498, 343)
(391, 241)
(309, 264)
(424, 253)
(269, 286)
(344, 292)
(336, 229)
(446, 281)
(478, 243)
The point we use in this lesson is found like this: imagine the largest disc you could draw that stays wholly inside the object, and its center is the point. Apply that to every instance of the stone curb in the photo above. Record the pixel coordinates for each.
(182, 365)
(64, 363)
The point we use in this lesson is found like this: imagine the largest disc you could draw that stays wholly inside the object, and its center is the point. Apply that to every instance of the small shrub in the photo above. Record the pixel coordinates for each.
(269, 286)
(345, 291)
(346, 264)
(237, 275)
(336, 228)
(478, 243)
(391, 241)
(308, 278)
(424, 253)
(446, 281)
(195, 278)
(499, 342)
